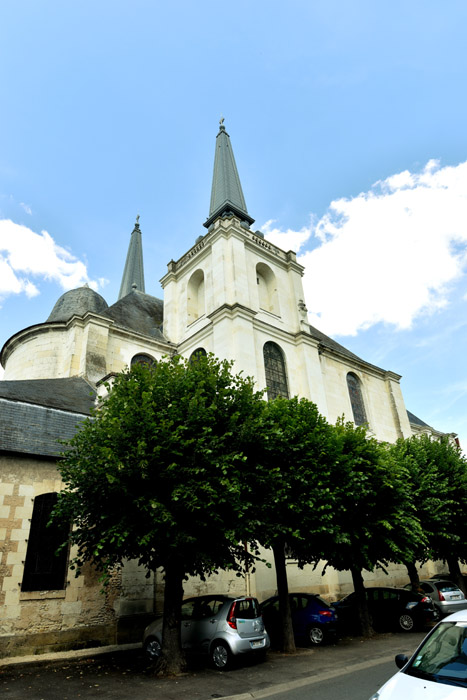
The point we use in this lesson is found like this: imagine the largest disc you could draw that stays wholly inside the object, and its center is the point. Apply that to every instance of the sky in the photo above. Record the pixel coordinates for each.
(348, 121)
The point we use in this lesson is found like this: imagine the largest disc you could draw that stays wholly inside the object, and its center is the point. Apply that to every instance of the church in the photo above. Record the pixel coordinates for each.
(232, 293)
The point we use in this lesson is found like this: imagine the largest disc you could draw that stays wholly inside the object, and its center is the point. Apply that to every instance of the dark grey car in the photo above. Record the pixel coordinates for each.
(219, 626)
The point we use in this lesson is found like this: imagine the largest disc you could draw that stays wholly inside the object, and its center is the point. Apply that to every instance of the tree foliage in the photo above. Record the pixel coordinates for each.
(437, 474)
(158, 474)
(289, 503)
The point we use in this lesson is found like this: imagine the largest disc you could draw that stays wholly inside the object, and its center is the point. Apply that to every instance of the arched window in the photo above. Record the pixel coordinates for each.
(356, 399)
(44, 570)
(195, 296)
(274, 366)
(196, 354)
(142, 359)
(267, 289)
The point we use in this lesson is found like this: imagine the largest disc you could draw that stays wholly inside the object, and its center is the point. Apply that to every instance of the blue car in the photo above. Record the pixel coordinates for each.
(313, 620)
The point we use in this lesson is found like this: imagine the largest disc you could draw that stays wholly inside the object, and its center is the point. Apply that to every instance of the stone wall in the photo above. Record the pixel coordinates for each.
(39, 621)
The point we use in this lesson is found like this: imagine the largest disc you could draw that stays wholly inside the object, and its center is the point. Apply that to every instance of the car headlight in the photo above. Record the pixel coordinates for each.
(375, 696)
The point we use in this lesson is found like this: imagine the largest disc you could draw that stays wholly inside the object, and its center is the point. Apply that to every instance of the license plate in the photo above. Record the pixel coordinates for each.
(255, 645)
(455, 597)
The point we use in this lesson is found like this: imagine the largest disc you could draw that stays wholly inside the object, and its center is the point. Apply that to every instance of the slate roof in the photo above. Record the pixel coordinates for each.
(417, 421)
(226, 192)
(133, 273)
(138, 312)
(77, 302)
(331, 344)
(35, 414)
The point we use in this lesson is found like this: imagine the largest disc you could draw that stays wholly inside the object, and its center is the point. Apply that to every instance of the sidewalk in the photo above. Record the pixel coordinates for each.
(113, 672)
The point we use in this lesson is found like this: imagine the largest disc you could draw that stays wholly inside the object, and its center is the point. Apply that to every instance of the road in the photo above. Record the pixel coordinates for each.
(355, 685)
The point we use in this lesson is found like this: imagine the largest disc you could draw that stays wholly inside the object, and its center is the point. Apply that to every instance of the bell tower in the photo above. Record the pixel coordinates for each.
(233, 291)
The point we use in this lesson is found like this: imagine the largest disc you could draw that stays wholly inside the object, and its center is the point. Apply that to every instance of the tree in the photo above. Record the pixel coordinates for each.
(289, 504)
(437, 473)
(373, 521)
(158, 475)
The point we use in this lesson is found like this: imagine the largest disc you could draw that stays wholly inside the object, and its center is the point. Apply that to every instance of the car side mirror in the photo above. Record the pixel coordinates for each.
(401, 660)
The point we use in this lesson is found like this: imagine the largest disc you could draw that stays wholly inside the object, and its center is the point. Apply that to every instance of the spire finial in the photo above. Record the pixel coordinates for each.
(221, 123)
(137, 218)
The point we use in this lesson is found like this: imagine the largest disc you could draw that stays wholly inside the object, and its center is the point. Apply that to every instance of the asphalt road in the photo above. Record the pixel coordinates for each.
(354, 685)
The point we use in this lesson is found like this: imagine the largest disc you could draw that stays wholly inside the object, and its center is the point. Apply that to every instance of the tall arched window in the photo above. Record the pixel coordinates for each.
(267, 289)
(44, 570)
(274, 366)
(195, 296)
(356, 399)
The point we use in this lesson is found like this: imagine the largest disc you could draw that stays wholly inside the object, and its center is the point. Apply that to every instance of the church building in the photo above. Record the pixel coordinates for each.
(233, 294)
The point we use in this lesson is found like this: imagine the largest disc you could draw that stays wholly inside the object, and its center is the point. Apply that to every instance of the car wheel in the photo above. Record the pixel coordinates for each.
(315, 635)
(406, 622)
(152, 648)
(221, 656)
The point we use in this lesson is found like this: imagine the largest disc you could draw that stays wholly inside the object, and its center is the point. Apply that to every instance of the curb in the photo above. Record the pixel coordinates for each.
(64, 655)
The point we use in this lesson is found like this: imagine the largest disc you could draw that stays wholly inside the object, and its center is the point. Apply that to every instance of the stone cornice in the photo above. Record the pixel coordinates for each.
(226, 227)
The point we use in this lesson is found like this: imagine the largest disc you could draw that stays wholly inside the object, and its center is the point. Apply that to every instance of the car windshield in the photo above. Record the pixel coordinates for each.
(445, 587)
(443, 656)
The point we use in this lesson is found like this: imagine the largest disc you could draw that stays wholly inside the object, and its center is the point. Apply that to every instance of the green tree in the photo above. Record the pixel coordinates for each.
(158, 475)
(373, 520)
(289, 502)
(437, 473)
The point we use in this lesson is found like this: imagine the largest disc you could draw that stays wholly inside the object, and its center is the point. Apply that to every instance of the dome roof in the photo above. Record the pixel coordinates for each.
(77, 302)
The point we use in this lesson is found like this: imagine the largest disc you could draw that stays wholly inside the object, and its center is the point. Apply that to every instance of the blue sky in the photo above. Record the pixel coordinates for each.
(348, 123)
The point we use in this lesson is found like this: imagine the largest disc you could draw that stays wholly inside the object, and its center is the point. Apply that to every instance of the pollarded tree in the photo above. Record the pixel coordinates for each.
(157, 475)
(438, 479)
(290, 505)
(373, 520)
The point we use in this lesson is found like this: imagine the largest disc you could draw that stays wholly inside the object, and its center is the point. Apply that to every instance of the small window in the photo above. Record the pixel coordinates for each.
(44, 569)
(274, 366)
(142, 359)
(356, 399)
(196, 354)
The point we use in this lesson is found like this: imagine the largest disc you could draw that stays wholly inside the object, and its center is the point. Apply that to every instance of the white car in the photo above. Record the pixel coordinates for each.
(437, 670)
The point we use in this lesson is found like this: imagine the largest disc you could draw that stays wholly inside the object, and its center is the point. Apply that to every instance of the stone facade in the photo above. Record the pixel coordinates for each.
(232, 294)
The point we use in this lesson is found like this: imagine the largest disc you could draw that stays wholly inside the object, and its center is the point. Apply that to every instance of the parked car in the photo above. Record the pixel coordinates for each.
(219, 626)
(313, 620)
(437, 670)
(446, 596)
(389, 608)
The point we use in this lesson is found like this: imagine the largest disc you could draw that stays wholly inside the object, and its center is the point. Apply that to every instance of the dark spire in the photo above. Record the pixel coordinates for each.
(226, 193)
(133, 274)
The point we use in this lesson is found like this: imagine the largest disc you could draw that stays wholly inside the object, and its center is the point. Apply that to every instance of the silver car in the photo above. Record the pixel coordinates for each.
(219, 626)
(446, 596)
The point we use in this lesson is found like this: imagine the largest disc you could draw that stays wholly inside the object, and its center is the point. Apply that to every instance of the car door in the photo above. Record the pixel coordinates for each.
(206, 618)
(186, 622)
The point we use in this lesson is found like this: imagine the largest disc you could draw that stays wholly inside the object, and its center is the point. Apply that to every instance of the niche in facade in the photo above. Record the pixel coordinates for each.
(267, 289)
(195, 296)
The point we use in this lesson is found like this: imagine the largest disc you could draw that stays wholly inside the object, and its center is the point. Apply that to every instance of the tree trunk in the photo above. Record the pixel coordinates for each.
(362, 605)
(288, 642)
(455, 573)
(172, 660)
(413, 575)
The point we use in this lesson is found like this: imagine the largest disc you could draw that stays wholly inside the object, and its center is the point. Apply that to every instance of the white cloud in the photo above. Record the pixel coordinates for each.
(26, 208)
(387, 255)
(25, 254)
(288, 240)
